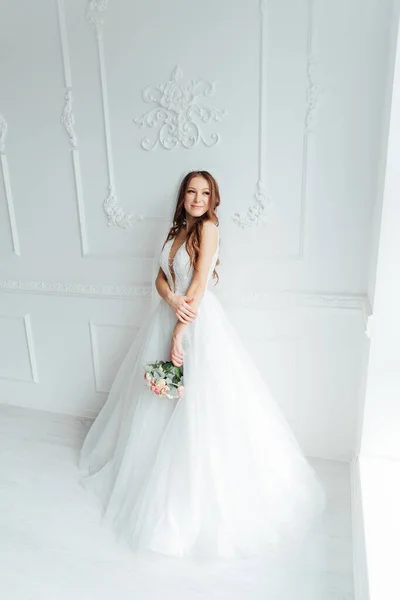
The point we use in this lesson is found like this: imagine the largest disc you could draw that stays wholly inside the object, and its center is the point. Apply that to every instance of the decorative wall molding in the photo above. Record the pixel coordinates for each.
(255, 299)
(7, 186)
(293, 300)
(68, 120)
(177, 110)
(76, 289)
(30, 347)
(314, 92)
(114, 214)
(257, 213)
(3, 133)
(94, 14)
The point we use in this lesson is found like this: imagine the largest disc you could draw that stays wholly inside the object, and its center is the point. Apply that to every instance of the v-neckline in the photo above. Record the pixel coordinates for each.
(171, 261)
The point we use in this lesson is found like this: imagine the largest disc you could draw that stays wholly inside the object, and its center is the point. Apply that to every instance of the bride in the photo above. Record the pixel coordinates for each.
(218, 471)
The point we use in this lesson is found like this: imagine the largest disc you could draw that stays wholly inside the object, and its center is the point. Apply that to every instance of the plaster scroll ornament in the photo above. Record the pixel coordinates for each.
(255, 214)
(314, 95)
(68, 119)
(114, 213)
(94, 14)
(178, 112)
(3, 133)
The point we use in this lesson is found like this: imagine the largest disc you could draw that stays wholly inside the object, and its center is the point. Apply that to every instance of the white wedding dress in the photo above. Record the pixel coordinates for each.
(217, 473)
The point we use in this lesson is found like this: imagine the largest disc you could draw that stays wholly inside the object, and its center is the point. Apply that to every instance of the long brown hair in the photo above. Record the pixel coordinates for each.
(193, 237)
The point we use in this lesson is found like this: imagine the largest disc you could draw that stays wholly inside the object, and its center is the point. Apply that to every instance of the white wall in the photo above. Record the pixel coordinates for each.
(302, 87)
(392, 34)
(381, 425)
(376, 470)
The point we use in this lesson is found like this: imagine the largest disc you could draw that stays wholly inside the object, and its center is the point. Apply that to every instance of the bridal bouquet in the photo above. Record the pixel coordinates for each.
(164, 379)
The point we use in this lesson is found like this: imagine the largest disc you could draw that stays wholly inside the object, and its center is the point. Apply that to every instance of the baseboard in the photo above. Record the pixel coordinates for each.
(360, 571)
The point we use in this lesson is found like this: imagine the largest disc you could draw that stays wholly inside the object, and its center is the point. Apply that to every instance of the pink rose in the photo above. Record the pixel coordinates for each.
(161, 383)
(181, 389)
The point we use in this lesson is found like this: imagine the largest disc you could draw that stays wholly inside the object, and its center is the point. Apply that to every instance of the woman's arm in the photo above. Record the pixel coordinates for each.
(162, 286)
(179, 304)
(198, 285)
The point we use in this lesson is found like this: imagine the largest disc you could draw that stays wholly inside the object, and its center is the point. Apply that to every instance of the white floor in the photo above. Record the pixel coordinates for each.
(52, 546)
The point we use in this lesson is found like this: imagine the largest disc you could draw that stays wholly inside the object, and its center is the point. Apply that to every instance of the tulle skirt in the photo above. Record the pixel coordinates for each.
(216, 473)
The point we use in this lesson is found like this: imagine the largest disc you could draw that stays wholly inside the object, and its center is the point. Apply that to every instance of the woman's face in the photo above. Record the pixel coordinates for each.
(197, 196)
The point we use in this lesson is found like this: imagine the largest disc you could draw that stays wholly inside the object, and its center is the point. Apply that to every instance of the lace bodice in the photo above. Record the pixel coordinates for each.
(183, 270)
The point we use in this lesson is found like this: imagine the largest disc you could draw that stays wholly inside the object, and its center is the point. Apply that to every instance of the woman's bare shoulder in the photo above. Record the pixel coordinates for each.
(209, 237)
(210, 224)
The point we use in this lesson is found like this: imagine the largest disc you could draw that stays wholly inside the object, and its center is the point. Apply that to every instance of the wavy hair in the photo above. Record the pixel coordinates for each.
(193, 237)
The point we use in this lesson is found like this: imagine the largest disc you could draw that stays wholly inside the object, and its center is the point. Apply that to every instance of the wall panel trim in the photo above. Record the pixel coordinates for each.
(251, 299)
